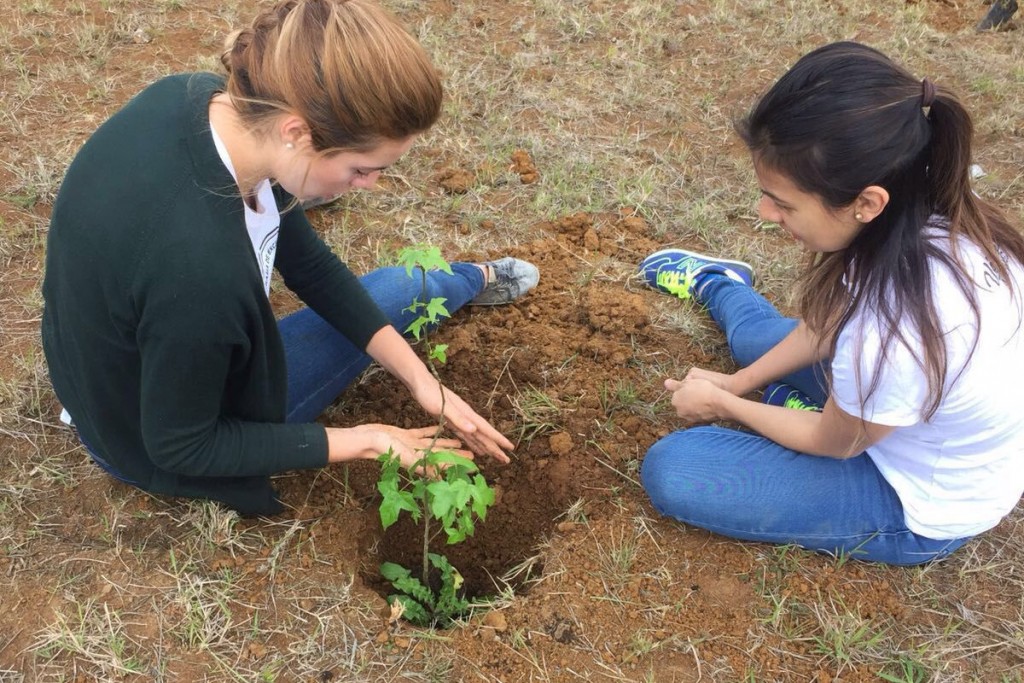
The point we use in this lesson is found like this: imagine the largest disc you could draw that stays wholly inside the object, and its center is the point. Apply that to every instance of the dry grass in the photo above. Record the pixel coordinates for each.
(620, 104)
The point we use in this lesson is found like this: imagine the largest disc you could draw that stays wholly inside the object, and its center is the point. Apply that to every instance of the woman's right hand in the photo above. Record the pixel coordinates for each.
(371, 440)
(719, 379)
(695, 399)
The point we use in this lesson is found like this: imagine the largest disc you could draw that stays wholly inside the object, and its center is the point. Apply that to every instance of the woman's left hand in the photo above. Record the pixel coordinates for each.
(473, 430)
(393, 352)
(694, 399)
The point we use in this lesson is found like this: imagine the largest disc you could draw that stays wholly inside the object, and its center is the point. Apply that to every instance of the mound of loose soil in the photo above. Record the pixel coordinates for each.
(558, 372)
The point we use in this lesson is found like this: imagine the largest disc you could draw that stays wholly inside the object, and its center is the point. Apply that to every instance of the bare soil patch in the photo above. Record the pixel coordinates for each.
(559, 372)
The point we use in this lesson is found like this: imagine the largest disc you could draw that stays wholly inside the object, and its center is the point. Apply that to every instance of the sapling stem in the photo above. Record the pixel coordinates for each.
(442, 483)
(440, 426)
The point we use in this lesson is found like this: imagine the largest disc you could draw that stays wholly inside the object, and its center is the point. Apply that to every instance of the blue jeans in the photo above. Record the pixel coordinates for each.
(745, 486)
(322, 362)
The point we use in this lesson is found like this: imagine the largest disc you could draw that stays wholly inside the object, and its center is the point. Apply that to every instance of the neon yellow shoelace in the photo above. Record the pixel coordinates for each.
(795, 403)
(676, 283)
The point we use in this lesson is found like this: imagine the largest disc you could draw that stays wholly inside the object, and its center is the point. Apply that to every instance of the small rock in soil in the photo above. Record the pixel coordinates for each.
(497, 621)
(560, 443)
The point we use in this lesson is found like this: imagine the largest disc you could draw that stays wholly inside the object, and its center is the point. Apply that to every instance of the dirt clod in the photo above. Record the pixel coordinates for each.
(522, 163)
(455, 180)
(496, 620)
(560, 443)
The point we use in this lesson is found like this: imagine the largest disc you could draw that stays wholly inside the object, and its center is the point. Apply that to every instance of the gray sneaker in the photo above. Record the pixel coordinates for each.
(998, 16)
(512, 279)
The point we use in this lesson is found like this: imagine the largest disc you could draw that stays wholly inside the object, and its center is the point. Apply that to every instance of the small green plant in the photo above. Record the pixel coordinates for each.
(442, 485)
(421, 605)
(908, 670)
(446, 485)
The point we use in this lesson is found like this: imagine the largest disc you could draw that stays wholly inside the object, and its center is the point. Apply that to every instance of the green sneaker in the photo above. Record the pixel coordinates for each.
(779, 394)
(678, 272)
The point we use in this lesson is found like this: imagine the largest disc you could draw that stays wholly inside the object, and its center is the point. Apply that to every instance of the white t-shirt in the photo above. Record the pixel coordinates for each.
(962, 471)
(262, 224)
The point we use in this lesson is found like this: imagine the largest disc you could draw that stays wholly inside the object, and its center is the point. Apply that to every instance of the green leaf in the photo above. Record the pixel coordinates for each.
(455, 535)
(451, 458)
(406, 583)
(419, 488)
(412, 611)
(388, 513)
(449, 497)
(393, 572)
(449, 604)
(389, 463)
(439, 561)
(424, 257)
(442, 498)
(463, 491)
(417, 599)
(467, 525)
(412, 587)
(483, 496)
(439, 353)
(436, 309)
(393, 502)
(387, 485)
(410, 258)
(416, 327)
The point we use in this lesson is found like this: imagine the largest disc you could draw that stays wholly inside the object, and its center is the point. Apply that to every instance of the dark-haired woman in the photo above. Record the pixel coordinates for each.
(158, 331)
(909, 345)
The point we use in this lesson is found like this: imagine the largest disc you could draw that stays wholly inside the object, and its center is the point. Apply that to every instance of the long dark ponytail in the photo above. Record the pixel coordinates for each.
(843, 118)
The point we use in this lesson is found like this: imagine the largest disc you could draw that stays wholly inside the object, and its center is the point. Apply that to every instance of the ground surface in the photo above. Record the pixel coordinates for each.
(580, 136)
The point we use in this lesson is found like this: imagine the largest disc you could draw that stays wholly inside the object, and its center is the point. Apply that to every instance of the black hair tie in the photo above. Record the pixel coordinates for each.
(927, 93)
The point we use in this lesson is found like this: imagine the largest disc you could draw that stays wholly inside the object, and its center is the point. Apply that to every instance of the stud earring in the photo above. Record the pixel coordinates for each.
(289, 145)
(859, 216)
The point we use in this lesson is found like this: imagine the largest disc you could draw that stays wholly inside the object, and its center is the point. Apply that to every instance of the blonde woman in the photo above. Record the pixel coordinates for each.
(158, 331)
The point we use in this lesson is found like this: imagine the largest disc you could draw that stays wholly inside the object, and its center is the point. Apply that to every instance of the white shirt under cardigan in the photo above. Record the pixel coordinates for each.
(962, 471)
(262, 224)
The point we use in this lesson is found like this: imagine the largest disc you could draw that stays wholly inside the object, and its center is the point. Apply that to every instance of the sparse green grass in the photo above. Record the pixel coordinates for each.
(28, 391)
(612, 118)
(622, 395)
(616, 556)
(576, 512)
(845, 639)
(537, 412)
(36, 181)
(214, 526)
(205, 606)
(905, 670)
(96, 637)
(692, 322)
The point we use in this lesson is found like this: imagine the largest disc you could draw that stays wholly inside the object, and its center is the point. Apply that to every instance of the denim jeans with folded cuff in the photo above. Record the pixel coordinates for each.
(322, 361)
(745, 486)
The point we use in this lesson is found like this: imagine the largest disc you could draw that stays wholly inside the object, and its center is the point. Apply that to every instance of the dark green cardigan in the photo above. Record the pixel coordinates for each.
(158, 334)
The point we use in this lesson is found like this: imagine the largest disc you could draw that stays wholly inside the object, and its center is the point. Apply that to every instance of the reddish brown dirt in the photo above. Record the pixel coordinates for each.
(574, 339)
(617, 588)
(951, 16)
